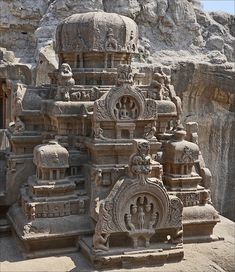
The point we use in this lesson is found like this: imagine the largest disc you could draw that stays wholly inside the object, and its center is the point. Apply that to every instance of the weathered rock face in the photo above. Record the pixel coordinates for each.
(19, 20)
(208, 98)
(172, 30)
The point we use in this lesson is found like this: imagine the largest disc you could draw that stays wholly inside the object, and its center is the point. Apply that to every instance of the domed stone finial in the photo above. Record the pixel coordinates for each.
(97, 31)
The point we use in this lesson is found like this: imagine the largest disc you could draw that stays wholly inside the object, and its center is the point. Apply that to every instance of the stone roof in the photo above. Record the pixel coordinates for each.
(96, 31)
(51, 155)
(182, 152)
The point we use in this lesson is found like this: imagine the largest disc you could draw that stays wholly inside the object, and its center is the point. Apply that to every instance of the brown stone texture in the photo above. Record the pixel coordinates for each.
(211, 257)
(33, 30)
(116, 133)
(208, 98)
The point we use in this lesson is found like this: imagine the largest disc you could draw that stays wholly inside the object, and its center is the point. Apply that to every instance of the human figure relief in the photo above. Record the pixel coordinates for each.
(140, 162)
(159, 91)
(126, 109)
(110, 43)
(141, 217)
(129, 224)
(100, 238)
(154, 220)
(65, 83)
(131, 43)
(149, 131)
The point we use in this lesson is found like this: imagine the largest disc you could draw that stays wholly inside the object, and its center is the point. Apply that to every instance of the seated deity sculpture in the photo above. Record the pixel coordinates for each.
(126, 109)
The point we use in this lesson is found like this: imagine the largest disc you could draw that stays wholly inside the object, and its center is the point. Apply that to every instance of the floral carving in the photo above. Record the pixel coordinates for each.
(176, 209)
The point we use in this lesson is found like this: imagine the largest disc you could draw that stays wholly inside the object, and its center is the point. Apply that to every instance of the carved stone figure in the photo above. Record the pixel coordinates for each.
(126, 109)
(124, 74)
(149, 131)
(98, 131)
(144, 51)
(102, 231)
(17, 127)
(98, 177)
(159, 90)
(65, 83)
(129, 223)
(110, 43)
(140, 163)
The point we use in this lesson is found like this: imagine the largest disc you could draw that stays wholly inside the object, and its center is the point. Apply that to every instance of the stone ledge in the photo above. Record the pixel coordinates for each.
(210, 257)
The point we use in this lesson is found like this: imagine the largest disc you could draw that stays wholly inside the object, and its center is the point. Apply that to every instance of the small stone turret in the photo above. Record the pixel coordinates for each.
(51, 160)
(50, 194)
(180, 155)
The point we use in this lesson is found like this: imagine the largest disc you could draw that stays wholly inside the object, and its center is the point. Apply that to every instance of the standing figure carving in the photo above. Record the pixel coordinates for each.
(140, 162)
(111, 42)
(102, 230)
(65, 83)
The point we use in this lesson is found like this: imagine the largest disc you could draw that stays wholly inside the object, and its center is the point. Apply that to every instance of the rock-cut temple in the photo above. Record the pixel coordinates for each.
(99, 160)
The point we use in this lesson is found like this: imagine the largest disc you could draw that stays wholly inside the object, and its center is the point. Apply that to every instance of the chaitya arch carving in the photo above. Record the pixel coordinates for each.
(138, 206)
(125, 101)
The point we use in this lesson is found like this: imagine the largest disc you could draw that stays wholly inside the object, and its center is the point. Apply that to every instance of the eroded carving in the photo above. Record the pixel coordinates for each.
(124, 74)
(126, 108)
(103, 228)
(111, 42)
(140, 162)
(17, 127)
(138, 205)
(65, 83)
(149, 131)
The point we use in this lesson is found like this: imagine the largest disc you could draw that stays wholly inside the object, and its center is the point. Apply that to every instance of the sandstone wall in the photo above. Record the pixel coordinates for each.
(209, 99)
(197, 47)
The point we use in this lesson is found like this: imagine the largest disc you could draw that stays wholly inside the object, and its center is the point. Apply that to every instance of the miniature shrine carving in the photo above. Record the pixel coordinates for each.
(114, 172)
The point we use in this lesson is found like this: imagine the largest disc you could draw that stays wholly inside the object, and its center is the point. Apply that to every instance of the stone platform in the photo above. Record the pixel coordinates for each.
(129, 258)
(48, 236)
(206, 257)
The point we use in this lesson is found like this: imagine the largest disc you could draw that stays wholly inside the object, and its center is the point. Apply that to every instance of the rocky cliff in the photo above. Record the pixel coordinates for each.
(197, 48)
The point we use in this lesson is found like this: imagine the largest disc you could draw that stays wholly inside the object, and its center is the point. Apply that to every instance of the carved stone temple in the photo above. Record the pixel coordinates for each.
(99, 160)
